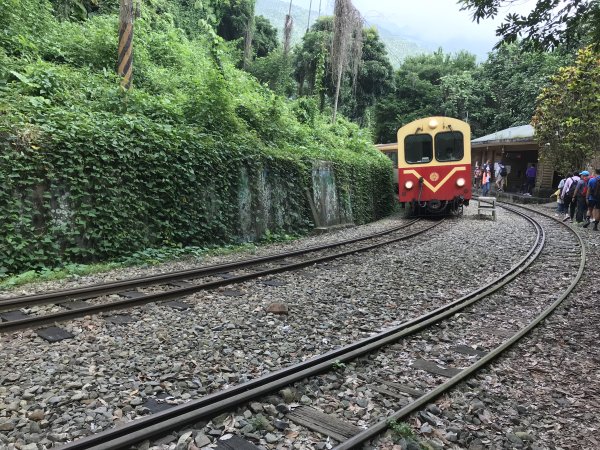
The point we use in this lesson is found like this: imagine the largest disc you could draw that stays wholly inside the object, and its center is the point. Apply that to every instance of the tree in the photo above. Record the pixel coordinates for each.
(256, 35)
(235, 18)
(567, 116)
(346, 49)
(287, 31)
(551, 22)
(314, 48)
(312, 70)
(374, 79)
(422, 87)
(276, 71)
(460, 97)
(265, 37)
(508, 84)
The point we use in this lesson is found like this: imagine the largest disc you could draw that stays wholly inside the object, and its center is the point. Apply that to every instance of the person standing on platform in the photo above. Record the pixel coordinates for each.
(530, 175)
(501, 174)
(486, 179)
(477, 176)
(560, 209)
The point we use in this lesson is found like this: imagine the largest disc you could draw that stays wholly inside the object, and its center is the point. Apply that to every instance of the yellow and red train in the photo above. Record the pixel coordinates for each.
(434, 164)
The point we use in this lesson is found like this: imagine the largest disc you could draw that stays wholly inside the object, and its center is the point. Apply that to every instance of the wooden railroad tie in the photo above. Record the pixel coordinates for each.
(326, 424)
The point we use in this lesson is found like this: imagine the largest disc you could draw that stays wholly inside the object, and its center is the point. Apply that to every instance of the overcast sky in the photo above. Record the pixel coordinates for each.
(437, 23)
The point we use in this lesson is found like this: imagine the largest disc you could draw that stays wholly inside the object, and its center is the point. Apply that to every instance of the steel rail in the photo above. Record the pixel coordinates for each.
(96, 290)
(382, 425)
(212, 404)
(35, 321)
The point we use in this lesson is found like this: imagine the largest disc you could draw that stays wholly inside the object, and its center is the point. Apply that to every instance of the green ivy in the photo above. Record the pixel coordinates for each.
(89, 172)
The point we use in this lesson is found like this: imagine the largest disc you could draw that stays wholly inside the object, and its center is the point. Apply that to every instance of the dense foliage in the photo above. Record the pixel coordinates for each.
(567, 117)
(551, 22)
(418, 91)
(313, 72)
(89, 171)
(202, 152)
(492, 96)
(509, 82)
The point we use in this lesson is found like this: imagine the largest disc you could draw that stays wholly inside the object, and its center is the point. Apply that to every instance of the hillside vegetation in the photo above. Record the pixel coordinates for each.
(275, 11)
(89, 171)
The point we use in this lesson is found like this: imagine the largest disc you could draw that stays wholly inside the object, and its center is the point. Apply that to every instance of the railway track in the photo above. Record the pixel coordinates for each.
(492, 325)
(476, 348)
(175, 285)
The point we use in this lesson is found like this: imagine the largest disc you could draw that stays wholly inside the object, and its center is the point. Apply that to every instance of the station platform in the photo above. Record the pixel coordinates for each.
(514, 197)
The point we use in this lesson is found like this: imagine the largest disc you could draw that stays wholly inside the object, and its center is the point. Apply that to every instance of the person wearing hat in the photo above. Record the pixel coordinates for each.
(579, 196)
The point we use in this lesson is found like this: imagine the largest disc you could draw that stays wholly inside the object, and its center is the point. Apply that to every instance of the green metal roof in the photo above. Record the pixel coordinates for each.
(523, 133)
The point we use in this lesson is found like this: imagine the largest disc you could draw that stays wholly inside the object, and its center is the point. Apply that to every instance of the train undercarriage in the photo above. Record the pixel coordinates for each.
(437, 207)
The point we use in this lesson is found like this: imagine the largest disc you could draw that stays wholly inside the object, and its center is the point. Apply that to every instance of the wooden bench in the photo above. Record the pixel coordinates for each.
(486, 205)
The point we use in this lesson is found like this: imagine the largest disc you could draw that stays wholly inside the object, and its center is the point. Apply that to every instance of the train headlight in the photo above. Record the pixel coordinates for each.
(409, 184)
(460, 182)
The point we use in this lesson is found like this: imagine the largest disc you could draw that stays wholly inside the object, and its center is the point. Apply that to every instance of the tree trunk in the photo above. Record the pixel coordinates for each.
(287, 31)
(248, 41)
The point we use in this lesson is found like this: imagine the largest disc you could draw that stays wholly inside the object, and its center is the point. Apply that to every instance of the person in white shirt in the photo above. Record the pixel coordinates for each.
(567, 195)
(500, 176)
(559, 200)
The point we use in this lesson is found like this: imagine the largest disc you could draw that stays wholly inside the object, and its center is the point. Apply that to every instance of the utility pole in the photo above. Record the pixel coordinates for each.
(309, 11)
(125, 60)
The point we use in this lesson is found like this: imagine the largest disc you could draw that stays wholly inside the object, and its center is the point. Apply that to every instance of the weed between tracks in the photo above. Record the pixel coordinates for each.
(401, 431)
(338, 365)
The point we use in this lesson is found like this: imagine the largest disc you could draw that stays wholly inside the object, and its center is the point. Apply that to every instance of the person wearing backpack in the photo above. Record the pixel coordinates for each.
(501, 174)
(593, 199)
(567, 196)
(579, 196)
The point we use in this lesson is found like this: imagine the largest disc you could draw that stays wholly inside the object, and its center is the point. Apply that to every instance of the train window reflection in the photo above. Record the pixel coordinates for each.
(449, 146)
(418, 148)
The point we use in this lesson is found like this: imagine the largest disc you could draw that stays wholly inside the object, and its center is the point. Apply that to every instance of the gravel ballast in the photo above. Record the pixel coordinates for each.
(110, 374)
(544, 393)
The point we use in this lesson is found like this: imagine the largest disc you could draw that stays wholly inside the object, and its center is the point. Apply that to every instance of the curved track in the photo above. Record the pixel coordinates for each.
(211, 405)
(417, 404)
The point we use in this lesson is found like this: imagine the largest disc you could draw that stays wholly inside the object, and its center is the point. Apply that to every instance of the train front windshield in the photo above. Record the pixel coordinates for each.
(418, 148)
(449, 146)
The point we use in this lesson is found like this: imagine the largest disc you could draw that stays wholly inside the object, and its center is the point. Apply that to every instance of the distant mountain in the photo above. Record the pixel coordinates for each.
(398, 47)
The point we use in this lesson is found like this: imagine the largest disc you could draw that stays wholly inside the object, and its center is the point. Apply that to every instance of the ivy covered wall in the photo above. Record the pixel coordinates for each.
(197, 152)
(77, 195)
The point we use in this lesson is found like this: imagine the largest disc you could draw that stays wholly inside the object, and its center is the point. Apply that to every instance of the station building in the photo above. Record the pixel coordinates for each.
(517, 149)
